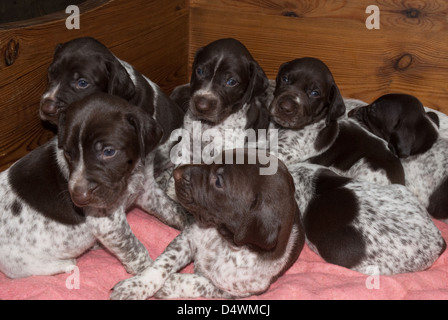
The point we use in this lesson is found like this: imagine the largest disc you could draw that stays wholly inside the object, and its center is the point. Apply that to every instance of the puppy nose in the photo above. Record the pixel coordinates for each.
(49, 107)
(204, 104)
(82, 196)
(286, 106)
(180, 173)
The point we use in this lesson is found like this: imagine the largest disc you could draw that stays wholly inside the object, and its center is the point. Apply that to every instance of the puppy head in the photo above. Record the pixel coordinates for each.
(246, 208)
(103, 139)
(401, 120)
(81, 67)
(305, 93)
(224, 78)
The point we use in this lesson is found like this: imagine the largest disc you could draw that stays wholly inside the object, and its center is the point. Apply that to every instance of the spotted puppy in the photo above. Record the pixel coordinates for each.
(84, 66)
(227, 96)
(412, 133)
(363, 226)
(310, 115)
(64, 196)
(244, 238)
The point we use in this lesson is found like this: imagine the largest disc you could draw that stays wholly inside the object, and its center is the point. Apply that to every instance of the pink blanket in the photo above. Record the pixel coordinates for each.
(309, 278)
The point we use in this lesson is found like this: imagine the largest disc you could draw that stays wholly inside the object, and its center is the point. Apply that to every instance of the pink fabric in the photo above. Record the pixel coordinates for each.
(309, 278)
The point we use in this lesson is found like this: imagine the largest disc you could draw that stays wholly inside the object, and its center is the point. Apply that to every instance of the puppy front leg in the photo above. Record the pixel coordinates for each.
(185, 285)
(155, 201)
(178, 254)
(113, 231)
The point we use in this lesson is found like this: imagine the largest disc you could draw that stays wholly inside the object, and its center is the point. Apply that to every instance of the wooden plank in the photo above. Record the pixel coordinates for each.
(151, 35)
(404, 55)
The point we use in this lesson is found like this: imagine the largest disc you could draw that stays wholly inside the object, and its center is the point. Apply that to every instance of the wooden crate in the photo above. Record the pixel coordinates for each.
(151, 35)
(407, 54)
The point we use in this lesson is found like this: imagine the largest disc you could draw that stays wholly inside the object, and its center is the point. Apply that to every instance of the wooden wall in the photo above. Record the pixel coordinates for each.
(152, 35)
(409, 53)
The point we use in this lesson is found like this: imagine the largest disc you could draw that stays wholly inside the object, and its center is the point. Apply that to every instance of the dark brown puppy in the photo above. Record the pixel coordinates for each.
(245, 237)
(225, 78)
(401, 120)
(84, 66)
(305, 93)
(309, 108)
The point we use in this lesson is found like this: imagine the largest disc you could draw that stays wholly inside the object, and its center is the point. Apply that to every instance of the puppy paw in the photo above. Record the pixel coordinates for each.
(132, 289)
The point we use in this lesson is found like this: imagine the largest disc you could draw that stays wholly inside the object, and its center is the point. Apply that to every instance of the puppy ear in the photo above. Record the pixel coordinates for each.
(181, 96)
(120, 83)
(402, 142)
(195, 64)
(259, 228)
(258, 83)
(148, 131)
(336, 107)
(61, 128)
(258, 115)
(434, 118)
(57, 48)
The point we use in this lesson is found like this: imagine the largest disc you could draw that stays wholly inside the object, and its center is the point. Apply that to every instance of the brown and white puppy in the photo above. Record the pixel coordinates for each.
(227, 97)
(310, 113)
(245, 235)
(402, 121)
(64, 196)
(225, 80)
(411, 131)
(364, 226)
(84, 66)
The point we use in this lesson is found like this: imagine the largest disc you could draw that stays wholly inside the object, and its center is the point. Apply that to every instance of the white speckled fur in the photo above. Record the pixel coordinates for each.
(397, 230)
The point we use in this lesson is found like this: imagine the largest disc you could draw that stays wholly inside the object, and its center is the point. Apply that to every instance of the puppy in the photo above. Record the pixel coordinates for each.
(310, 115)
(64, 196)
(227, 96)
(411, 131)
(363, 226)
(84, 66)
(245, 236)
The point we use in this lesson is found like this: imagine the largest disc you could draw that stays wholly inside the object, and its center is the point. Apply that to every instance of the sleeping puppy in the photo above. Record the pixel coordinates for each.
(64, 196)
(245, 235)
(227, 96)
(402, 121)
(84, 66)
(310, 113)
(363, 226)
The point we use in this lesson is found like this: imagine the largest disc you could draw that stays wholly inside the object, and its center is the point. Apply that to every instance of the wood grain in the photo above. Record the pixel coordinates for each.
(407, 53)
(151, 35)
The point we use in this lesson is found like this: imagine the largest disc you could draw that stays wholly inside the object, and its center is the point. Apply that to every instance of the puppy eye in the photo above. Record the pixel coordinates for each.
(108, 153)
(219, 182)
(315, 93)
(231, 82)
(82, 84)
(285, 79)
(200, 72)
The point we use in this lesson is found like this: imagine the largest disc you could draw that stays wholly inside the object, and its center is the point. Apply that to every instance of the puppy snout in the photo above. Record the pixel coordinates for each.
(204, 104)
(181, 174)
(287, 106)
(49, 107)
(82, 195)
